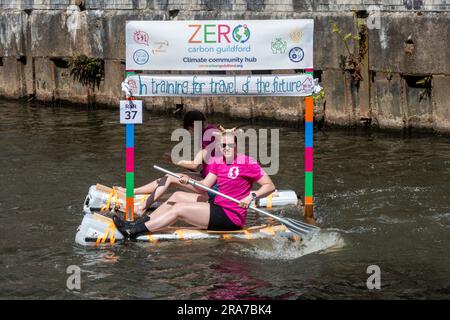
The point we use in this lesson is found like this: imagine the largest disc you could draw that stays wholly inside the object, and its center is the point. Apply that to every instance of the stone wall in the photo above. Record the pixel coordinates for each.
(38, 36)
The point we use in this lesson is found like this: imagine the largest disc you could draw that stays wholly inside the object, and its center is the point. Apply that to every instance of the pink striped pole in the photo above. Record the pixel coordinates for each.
(309, 152)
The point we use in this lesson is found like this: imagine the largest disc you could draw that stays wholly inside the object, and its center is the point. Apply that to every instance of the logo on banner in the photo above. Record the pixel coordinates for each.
(307, 85)
(296, 35)
(141, 56)
(161, 47)
(233, 173)
(141, 37)
(296, 54)
(241, 33)
(133, 85)
(279, 46)
(218, 33)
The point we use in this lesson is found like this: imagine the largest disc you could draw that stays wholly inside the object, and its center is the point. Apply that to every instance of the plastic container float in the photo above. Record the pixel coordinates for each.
(98, 230)
(103, 198)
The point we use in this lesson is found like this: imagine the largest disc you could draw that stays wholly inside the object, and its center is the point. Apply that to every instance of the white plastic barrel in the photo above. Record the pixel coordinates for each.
(279, 198)
(94, 226)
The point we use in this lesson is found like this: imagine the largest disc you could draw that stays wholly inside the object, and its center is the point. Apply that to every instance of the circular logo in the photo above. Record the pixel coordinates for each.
(233, 173)
(140, 56)
(296, 54)
(241, 33)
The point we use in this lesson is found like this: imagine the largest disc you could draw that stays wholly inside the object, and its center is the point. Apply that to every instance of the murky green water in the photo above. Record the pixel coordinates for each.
(382, 200)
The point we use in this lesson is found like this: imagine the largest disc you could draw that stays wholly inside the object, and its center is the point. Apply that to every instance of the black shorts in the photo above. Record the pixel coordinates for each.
(219, 221)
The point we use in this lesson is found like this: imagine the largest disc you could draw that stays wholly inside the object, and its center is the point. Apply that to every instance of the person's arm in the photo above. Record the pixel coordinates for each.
(188, 164)
(208, 181)
(266, 188)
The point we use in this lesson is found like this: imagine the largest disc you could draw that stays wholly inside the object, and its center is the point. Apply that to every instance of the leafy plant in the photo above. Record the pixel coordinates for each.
(425, 82)
(88, 71)
(345, 38)
(389, 74)
(319, 97)
(352, 63)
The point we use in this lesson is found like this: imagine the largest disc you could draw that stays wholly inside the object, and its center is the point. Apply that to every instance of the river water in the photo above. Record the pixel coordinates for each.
(381, 199)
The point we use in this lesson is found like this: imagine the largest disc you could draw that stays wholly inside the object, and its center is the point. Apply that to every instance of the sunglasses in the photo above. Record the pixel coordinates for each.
(227, 145)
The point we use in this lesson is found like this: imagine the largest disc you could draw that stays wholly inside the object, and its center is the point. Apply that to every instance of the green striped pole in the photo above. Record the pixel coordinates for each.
(129, 167)
(309, 151)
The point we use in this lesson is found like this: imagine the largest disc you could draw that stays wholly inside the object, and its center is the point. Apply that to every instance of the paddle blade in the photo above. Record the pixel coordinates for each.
(303, 224)
(295, 229)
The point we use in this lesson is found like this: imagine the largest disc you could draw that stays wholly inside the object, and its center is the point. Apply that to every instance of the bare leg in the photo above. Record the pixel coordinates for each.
(195, 213)
(178, 196)
(166, 182)
(194, 210)
(153, 185)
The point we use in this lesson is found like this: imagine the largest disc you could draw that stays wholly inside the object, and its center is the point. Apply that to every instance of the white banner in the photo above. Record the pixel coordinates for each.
(219, 45)
(202, 85)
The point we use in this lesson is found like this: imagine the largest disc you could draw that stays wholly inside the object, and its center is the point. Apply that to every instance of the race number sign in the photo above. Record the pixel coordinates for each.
(131, 112)
(219, 45)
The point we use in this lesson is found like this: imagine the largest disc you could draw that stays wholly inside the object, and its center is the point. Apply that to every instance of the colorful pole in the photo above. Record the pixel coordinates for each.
(129, 168)
(309, 137)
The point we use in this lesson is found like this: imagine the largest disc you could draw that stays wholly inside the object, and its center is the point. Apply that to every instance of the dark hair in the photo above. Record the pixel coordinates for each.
(191, 116)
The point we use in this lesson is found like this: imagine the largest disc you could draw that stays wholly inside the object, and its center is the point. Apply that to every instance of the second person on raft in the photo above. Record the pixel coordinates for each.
(234, 173)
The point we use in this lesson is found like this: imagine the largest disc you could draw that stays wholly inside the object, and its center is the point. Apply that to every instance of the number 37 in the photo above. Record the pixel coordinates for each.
(130, 114)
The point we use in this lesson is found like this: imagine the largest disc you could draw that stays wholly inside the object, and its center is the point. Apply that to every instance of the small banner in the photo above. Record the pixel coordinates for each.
(202, 85)
(219, 45)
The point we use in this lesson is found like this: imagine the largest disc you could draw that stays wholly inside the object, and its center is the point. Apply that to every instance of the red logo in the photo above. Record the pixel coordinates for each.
(307, 84)
(133, 85)
(141, 37)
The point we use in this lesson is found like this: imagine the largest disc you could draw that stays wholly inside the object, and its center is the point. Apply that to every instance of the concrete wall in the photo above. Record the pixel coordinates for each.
(37, 36)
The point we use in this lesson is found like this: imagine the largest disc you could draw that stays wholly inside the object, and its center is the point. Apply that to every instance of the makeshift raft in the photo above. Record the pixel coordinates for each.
(99, 230)
(104, 199)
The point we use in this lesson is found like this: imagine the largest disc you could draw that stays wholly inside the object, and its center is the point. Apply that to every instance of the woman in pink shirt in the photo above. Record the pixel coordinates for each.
(234, 174)
(159, 186)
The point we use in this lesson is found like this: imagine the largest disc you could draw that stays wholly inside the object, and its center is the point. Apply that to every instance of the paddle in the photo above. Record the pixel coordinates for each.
(297, 227)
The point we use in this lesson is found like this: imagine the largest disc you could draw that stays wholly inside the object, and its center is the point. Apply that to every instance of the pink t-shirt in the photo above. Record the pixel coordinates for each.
(235, 180)
(208, 142)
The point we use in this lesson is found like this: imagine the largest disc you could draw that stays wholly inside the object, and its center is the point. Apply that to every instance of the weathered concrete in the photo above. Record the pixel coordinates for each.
(37, 37)
(386, 101)
(441, 108)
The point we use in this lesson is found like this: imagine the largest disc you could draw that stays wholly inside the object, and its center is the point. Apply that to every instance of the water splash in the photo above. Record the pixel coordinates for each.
(284, 249)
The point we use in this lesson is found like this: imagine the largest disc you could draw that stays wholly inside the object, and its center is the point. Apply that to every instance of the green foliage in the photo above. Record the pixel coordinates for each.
(351, 62)
(425, 82)
(319, 97)
(389, 74)
(335, 28)
(347, 36)
(87, 71)
(361, 22)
